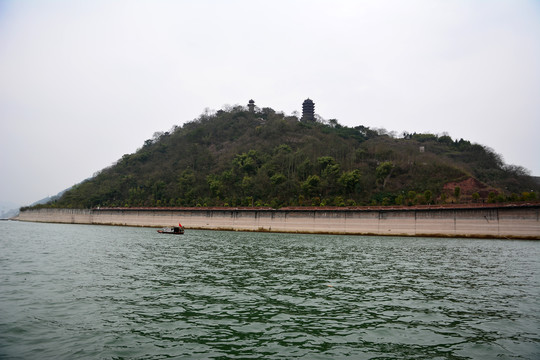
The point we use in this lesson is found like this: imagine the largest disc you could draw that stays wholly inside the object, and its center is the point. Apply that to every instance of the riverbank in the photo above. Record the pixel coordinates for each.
(514, 221)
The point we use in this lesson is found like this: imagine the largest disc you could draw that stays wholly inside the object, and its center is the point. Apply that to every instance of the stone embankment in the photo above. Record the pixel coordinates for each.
(516, 221)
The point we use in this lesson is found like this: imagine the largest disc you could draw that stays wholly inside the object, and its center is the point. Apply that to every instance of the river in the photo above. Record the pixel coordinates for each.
(106, 292)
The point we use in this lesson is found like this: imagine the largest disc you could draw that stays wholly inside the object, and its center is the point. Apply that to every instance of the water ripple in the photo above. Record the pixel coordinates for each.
(71, 291)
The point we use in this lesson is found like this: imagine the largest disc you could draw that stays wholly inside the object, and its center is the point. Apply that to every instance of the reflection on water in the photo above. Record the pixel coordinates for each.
(73, 291)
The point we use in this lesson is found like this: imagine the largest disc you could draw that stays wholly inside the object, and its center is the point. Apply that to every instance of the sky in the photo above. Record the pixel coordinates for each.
(84, 82)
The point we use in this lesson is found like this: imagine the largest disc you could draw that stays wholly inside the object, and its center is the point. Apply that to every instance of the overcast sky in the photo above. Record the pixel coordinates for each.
(84, 82)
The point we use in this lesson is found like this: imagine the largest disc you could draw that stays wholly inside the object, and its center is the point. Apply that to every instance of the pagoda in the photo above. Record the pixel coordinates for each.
(308, 110)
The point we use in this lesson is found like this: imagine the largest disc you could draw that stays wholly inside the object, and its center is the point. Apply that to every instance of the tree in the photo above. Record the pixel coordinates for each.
(528, 195)
(457, 193)
(247, 185)
(325, 161)
(311, 187)
(383, 171)
(215, 184)
(278, 178)
(443, 197)
(446, 140)
(411, 196)
(246, 162)
(428, 196)
(349, 180)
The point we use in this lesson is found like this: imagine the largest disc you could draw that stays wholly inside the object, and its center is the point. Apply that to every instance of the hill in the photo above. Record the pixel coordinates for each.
(260, 157)
(8, 210)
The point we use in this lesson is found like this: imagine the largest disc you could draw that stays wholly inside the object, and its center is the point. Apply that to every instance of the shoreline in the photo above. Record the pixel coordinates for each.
(499, 221)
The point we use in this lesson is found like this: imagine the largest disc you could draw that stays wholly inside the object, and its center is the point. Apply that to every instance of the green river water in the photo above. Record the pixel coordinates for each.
(105, 292)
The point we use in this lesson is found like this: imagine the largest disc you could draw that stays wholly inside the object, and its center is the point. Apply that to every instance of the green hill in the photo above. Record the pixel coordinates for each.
(264, 158)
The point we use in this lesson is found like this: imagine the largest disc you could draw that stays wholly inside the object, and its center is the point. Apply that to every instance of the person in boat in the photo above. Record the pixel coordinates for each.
(173, 230)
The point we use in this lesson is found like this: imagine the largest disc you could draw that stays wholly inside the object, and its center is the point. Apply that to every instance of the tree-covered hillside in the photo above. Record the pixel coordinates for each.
(263, 158)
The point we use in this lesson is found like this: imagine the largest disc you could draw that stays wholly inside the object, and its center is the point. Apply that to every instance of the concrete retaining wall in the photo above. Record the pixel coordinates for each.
(521, 222)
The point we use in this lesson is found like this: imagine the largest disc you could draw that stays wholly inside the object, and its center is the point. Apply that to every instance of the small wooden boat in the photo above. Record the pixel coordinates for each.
(176, 230)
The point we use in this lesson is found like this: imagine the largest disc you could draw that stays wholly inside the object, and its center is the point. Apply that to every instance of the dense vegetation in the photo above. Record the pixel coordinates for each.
(263, 158)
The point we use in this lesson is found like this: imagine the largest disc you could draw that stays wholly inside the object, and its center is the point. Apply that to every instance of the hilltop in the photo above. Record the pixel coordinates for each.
(245, 156)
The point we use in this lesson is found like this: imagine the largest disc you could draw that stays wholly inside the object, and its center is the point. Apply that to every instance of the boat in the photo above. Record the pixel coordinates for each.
(176, 230)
